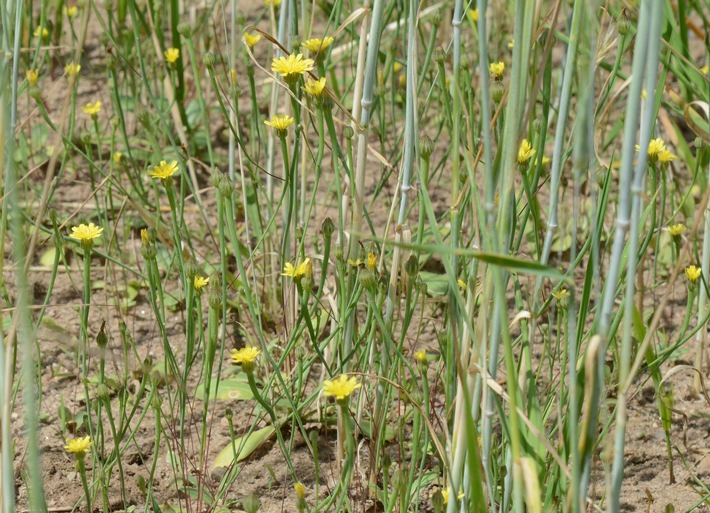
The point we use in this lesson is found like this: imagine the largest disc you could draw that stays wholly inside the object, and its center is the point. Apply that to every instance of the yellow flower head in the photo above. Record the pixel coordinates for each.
(693, 273)
(200, 281)
(341, 387)
(172, 55)
(371, 262)
(299, 271)
(526, 152)
(164, 170)
(84, 232)
(461, 284)
(300, 490)
(314, 87)
(545, 161)
(251, 39)
(246, 357)
(317, 45)
(666, 156)
(511, 43)
(445, 495)
(280, 123)
(41, 31)
(31, 77)
(79, 446)
(117, 155)
(496, 69)
(473, 15)
(655, 147)
(705, 69)
(560, 295)
(292, 67)
(71, 12)
(397, 67)
(92, 109)
(676, 230)
(420, 356)
(272, 3)
(72, 69)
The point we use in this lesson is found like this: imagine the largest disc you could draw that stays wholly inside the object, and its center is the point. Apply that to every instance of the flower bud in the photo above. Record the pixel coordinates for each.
(208, 59)
(214, 292)
(426, 146)
(497, 91)
(439, 55)
(101, 338)
(623, 24)
(348, 132)
(368, 279)
(327, 227)
(412, 266)
(184, 29)
(226, 187)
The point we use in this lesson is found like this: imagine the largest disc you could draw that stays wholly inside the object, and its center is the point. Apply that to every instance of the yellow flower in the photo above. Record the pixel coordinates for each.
(397, 67)
(71, 12)
(78, 447)
(511, 43)
(314, 87)
(473, 15)
(41, 31)
(693, 273)
(317, 45)
(560, 295)
(644, 94)
(496, 69)
(246, 357)
(666, 156)
(371, 262)
(172, 55)
(705, 69)
(117, 155)
(420, 356)
(31, 77)
(341, 387)
(251, 39)
(199, 281)
(292, 67)
(280, 123)
(445, 495)
(92, 109)
(545, 161)
(655, 148)
(272, 3)
(72, 69)
(461, 284)
(526, 152)
(676, 230)
(84, 233)
(300, 490)
(297, 272)
(164, 170)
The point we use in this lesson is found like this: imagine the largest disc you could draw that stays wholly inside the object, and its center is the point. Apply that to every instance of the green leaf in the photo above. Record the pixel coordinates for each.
(366, 428)
(243, 446)
(233, 389)
(437, 284)
(47, 258)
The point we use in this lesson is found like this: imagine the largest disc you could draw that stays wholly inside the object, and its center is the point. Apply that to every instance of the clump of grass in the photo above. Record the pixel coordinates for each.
(442, 225)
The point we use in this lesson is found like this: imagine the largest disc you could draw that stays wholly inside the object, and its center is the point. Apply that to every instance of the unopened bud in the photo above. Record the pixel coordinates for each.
(327, 227)
(208, 59)
(426, 146)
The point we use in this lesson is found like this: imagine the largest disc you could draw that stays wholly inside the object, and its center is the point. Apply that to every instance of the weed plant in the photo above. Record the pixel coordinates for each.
(429, 245)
